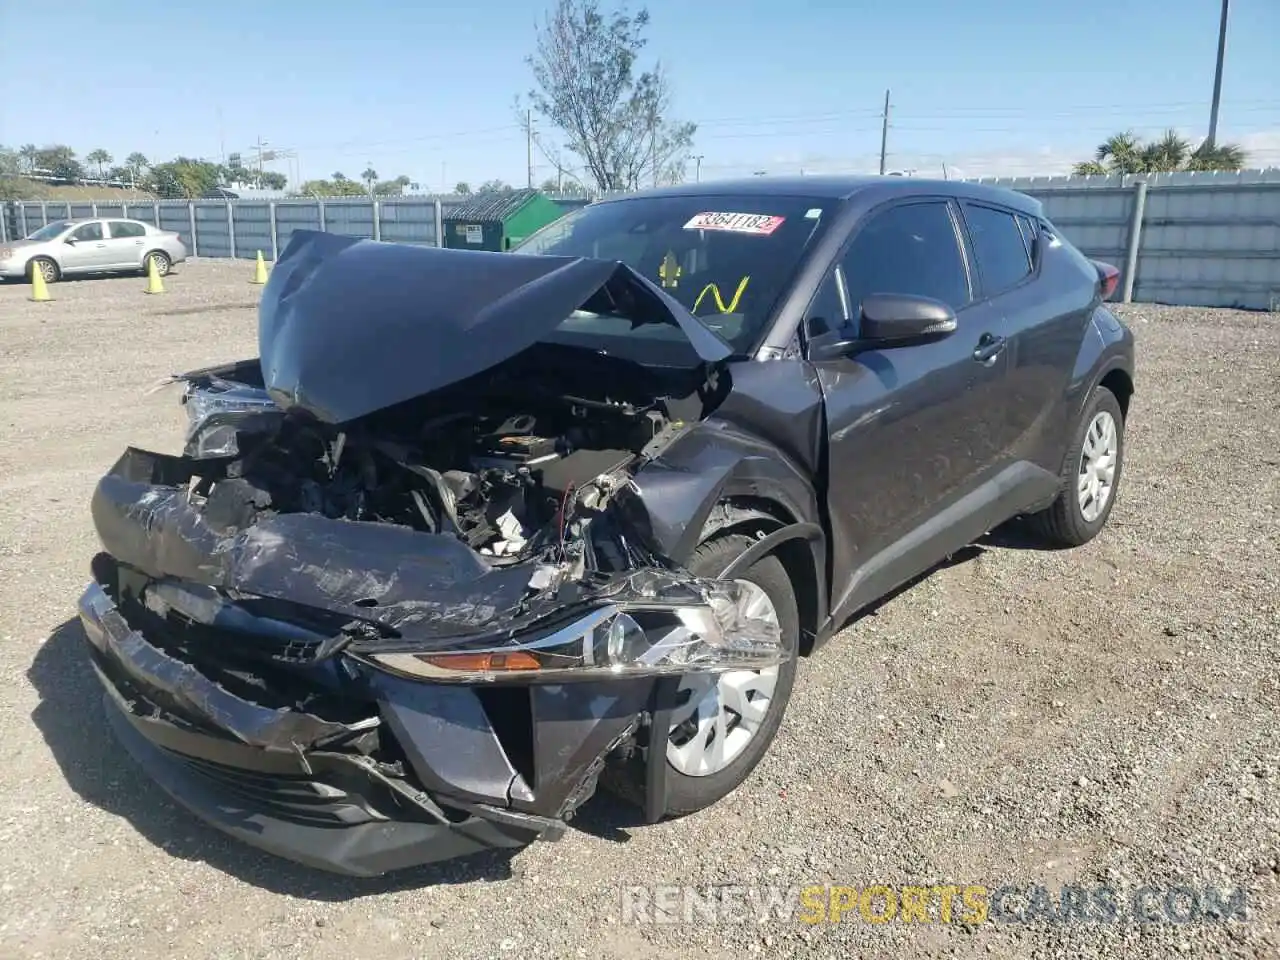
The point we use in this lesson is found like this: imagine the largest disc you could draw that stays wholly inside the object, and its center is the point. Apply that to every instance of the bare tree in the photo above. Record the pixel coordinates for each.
(616, 121)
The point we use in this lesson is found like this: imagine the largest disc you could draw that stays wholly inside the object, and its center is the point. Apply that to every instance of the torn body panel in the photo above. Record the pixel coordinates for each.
(431, 317)
(469, 596)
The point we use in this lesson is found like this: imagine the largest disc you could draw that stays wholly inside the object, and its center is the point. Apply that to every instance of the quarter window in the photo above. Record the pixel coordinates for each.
(908, 249)
(89, 231)
(122, 228)
(999, 248)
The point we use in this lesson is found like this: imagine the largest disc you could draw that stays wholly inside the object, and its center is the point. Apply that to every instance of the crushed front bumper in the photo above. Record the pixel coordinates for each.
(222, 760)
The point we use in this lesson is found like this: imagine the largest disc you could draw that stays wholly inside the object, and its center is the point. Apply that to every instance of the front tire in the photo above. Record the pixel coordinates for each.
(722, 725)
(1090, 475)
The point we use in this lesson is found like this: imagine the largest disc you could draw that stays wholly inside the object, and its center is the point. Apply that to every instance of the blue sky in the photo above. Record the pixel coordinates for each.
(988, 86)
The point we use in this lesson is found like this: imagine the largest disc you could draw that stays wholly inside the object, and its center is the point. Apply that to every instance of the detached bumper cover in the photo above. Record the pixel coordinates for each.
(326, 809)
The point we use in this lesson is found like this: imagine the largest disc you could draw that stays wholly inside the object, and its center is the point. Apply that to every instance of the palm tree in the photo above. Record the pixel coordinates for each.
(135, 163)
(1165, 155)
(370, 176)
(99, 158)
(1123, 153)
(1225, 156)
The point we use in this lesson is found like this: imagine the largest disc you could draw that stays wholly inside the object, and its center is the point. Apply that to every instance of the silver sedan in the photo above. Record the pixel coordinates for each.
(98, 245)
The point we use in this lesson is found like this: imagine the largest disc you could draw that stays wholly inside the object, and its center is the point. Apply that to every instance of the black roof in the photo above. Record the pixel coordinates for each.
(493, 206)
(842, 188)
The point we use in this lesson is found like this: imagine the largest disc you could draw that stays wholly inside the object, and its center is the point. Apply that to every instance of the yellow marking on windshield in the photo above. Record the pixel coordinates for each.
(712, 289)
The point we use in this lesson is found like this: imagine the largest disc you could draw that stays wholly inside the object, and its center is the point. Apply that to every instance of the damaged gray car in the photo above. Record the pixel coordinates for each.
(477, 533)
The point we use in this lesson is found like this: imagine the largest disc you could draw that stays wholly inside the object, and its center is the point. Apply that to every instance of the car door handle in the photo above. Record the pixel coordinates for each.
(99, 244)
(989, 347)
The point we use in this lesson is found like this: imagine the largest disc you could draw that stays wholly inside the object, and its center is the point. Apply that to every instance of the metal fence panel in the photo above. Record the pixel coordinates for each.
(294, 215)
(351, 218)
(253, 227)
(1209, 239)
(177, 217)
(408, 221)
(143, 210)
(212, 239)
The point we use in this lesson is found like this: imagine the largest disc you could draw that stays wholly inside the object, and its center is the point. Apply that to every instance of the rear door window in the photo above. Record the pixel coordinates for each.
(999, 247)
(123, 228)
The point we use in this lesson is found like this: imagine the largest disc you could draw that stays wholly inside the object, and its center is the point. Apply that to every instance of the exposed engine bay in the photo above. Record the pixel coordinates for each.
(414, 581)
(509, 468)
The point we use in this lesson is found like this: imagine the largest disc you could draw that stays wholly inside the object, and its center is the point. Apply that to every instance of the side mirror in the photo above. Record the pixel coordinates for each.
(888, 320)
(898, 320)
(70, 240)
(833, 344)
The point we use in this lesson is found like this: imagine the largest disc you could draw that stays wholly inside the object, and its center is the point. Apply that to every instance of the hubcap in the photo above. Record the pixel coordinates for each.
(49, 271)
(1097, 466)
(717, 715)
(161, 264)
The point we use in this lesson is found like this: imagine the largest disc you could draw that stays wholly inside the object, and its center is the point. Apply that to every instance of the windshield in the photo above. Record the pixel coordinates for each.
(50, 231)
(726, 259)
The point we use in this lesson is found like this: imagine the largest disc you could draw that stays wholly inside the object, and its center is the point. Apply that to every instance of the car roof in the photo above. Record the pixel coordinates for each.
(871, 187)
(102, 216)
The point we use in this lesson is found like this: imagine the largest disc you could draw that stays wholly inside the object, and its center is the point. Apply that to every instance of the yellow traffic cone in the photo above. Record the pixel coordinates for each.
(154, 283)
(39, 289)
(260, 270)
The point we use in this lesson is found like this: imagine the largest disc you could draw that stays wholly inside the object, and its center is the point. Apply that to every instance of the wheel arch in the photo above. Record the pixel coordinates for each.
(1118, 381)
(31, 262)
(717, 479)
(778, 533)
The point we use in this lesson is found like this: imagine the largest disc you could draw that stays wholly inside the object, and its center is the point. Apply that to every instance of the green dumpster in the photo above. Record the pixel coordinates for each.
(497, 221)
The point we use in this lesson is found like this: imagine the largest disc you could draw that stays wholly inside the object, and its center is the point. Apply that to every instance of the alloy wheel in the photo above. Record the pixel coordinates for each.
(719, 714)
(1098, 459)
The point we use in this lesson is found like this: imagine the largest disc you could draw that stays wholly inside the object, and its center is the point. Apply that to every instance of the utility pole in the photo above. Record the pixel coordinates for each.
(944, 171)
(884, 132)
(697, 170)
(259, 145)
(528, 144)
(1212, 139)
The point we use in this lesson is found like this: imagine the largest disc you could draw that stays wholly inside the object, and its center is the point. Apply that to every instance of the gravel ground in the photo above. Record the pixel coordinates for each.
(1104, 715)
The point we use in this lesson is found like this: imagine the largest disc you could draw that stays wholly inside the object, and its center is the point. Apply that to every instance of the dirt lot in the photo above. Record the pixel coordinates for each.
(1102, 716)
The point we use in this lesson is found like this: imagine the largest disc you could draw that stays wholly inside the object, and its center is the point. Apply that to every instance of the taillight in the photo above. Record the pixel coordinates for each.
(1109, 277)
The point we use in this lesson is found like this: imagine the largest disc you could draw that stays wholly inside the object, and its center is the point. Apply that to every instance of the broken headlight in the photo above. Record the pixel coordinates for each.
(734, 629)
(217, 410)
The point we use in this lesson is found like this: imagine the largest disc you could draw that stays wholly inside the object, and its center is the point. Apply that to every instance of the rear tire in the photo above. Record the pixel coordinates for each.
(161, 260)
(688, 794)
(47, 267)
(1090, 475)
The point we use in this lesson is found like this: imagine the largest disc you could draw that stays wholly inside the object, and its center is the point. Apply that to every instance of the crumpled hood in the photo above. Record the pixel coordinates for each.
(348, 327)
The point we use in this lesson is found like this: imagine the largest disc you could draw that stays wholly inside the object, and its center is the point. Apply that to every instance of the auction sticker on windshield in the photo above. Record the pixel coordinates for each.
(759, 224)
